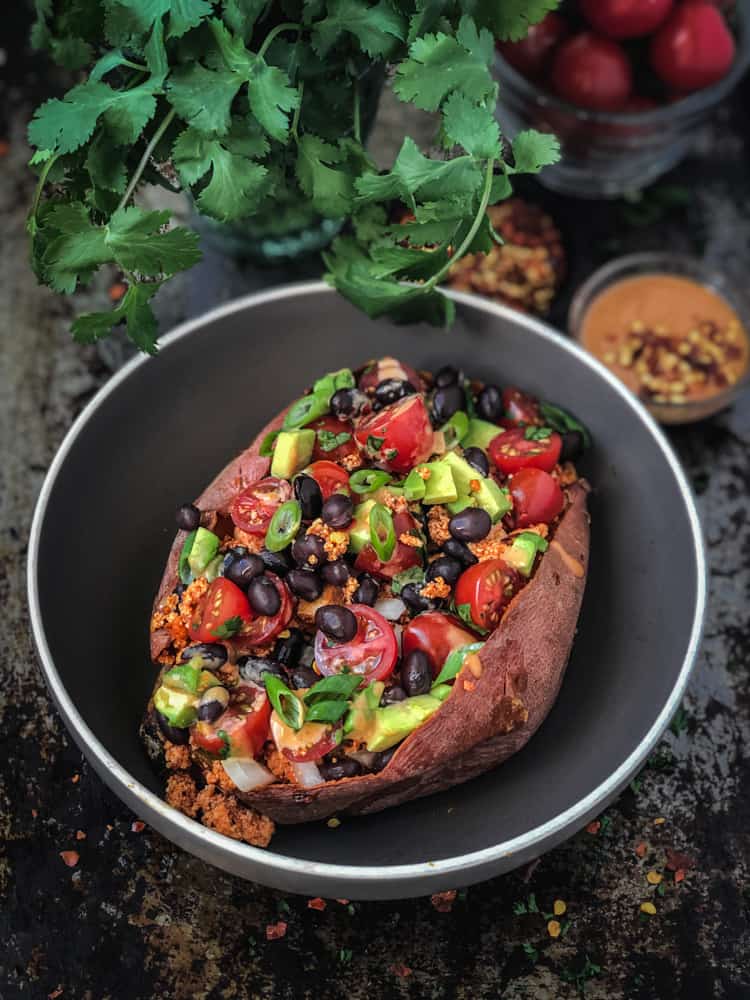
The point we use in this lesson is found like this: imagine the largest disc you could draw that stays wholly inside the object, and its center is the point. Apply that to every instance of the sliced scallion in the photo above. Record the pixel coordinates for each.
(382, 532)
(287, 706)
(284, 526)
(368, 480)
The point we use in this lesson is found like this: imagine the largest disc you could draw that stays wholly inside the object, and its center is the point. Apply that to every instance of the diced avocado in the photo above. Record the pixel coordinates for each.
(441, 691)
(463, 474)
(394, 722)
(359, 532)
(207, 680)
(292, 452)
(440, 487)
(522, 553)
(461, 504)
(363, 707)
(177, 707)
(205, 547)
(214, 568)
(493, 499)
(481, 432)
(183, 566)
(414, 485)
(185, 677)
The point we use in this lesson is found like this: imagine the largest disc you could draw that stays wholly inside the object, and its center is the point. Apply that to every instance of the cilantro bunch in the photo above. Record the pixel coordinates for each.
(252, 104)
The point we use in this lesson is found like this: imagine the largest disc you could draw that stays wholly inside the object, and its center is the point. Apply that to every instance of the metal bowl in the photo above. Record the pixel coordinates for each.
(158, 432)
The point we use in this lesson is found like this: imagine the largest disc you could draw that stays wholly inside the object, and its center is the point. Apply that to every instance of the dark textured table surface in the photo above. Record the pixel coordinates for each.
(136, 917)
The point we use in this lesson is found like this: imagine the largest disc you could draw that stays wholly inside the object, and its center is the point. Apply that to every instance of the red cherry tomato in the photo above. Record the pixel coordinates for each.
(245, 723)
(331, 478)
(319, 749)
(436, 635)
(486, 588)
(518, 407)
(263, 628)
(625, 18)
(385, 368)
(332, 426)
(372, 652)
(537, 497)
(404, 556)
(253, 509)
(399, 436)
(592, 72)
(531, 55)
(222, 602)
(511, 451)
(694, 48)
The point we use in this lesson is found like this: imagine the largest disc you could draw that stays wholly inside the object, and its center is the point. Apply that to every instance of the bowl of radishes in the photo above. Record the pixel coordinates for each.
(624, 84)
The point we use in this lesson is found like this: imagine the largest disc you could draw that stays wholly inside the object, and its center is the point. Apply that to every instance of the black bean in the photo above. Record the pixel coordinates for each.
(446, 401)
(337, 622)
(244, 569)
(252, 668)
(572, 446)
(392, 695)
(263, 596)
(307, 492)
(289, 649)
(213, 703)
(180, 737)
(470, 525)
(446, 376)
(188, 517)
(338, 511)
(308, 550)
(302, 677)
(478, 460)
(180, 589)
(277, 562)
(305, 584)
(336, 572)
(490, 404)
(445, 566)
(367, 591)
(390, 390)
(346, 403)
(342, 767)
(457, 550)
(416, 673)
(213, 654)
(383, 758)
(414, 601)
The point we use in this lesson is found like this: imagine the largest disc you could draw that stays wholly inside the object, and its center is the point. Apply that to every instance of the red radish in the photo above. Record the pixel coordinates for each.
(625, 18)
(592, 72)
(694, 48)
(531, 55)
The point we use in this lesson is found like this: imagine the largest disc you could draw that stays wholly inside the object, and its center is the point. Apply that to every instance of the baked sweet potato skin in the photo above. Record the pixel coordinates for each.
(493, 710)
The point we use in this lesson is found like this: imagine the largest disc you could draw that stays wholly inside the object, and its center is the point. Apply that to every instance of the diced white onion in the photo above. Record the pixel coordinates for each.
(307, 774)
(398, 631)
(247, 773)
(391, 608)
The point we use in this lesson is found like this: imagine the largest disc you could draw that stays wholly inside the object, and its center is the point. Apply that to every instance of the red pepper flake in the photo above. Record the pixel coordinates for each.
(679, 875)
(641, 849)
(443, 901)
(400, 970)
(594, 827)
(316, 904)
(117, 291)
(80, 835)
(276, 931)
(676, 860)
(75, 779)
(137, 826)
(344, 902)
(55, 993)
(34, 813)
(70, 858)
(469, 685)
(4, 150)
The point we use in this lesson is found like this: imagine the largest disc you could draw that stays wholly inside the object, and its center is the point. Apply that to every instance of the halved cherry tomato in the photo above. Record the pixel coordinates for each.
(331, 478)
(372, 652)
(537, 497)
(486, 588)
(385, 368)
(512, 451)
(437, 635)
(518, 407)
(399, 436)
(253, 509)
(263, 628)
(531, 55)
(332, 426)
(245, 725)
(222, 603)
(329, 741)
(404, 556)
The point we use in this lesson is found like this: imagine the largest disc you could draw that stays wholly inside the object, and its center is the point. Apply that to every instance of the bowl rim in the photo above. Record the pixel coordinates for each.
(266, 858)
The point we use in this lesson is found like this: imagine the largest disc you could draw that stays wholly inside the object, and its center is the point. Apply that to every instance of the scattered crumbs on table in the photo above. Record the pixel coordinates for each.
(594, 827)
(70, 858)
(648, 907)
(443, 901)
(659, 820)
(559, 907)
(400, 970)
(676, 860)
(276, 931)
(75, 779)
(116, 291)
(333, 822)
(343, 902)
(80, 835)
(137, 826)
(679, 875)
(653, 877)
(641, 849)
(316, 904)
(57, 992)
(34, 813)
(553, 928)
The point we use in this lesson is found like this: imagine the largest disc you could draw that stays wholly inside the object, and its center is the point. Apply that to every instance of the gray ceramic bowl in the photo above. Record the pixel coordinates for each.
(158, 432)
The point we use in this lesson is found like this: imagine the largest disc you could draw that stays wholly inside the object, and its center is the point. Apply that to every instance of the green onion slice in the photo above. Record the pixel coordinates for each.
(327, 711)
(382, 532)
(368, 480)
(562, 421)
(183, 567)
(268, 443)
(455, 429)
(455, 661)
(334, 688)
(287, 706)
(305, 410)
(284, 525)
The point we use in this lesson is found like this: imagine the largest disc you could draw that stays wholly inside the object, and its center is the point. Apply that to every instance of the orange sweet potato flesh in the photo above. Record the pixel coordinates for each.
(494, 708)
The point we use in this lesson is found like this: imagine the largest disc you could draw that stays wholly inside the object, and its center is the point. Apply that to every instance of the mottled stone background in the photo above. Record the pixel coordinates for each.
(137, 918)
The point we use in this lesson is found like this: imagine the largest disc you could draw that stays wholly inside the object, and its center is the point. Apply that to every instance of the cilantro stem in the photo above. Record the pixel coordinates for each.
(145, 158)
(40, 185)
(134, 65)
(286, 26)
(485, 200)
(357, 122)
(295, 117)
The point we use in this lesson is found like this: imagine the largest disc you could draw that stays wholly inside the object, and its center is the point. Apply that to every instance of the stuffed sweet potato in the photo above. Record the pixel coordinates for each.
(375, 601)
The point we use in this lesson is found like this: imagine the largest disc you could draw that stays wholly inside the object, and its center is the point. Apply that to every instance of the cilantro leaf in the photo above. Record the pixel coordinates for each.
(228, 628)
(187, 89)
(241, 15)
(271, 97)
(137, 17)
(413, 575)
(329, 441)
(511, 19)
(321, 177)
(534, 150)
(378, 29)
(65, 125)
(236, 183)
(136, 243)
(133, 310)
(471, 125)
